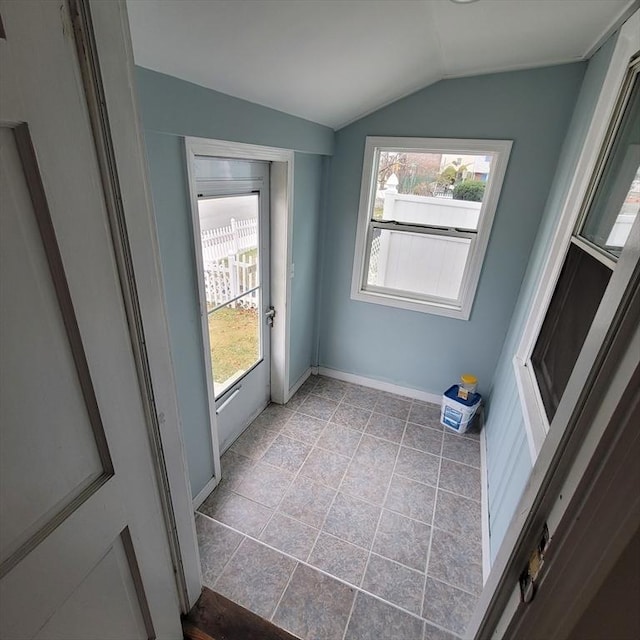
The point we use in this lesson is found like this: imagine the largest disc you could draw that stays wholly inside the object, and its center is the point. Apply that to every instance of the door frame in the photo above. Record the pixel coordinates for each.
(109, 77)
(281, 251)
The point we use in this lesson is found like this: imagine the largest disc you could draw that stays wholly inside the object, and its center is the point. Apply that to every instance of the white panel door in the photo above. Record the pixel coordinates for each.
(84, 550)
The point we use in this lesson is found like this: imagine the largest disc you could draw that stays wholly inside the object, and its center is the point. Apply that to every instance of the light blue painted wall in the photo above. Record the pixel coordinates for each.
(419, 350)
(309, 175)
(171, 109)
(171, 105)
(508, 459)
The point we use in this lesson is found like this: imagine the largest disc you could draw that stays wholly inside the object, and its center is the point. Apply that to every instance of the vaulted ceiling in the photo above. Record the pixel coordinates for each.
(332, 61)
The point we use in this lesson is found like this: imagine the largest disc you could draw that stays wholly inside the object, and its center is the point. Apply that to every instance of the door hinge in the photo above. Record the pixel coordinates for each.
(531, 573)
(270, 314)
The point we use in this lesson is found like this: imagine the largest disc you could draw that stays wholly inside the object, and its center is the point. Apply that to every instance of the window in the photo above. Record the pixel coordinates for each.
(426, 210)
(608, 213)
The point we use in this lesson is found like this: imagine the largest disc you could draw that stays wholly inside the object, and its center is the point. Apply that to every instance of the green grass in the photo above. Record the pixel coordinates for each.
(234, 336)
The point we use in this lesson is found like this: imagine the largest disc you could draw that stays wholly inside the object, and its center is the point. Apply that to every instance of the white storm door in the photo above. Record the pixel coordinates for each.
(231, 228)
(84, 550)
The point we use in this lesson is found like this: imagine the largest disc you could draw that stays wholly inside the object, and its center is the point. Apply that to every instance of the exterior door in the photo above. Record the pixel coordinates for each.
(84, 551)
(231, 226)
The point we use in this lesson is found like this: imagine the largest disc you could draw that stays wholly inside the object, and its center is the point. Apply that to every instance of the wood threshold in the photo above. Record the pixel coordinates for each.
(215, 617)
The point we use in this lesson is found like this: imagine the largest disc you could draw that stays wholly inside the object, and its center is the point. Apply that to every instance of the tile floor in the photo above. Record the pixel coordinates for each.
(348, 514)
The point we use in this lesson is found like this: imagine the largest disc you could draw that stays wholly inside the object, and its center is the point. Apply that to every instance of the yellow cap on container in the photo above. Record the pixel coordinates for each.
(467, 378)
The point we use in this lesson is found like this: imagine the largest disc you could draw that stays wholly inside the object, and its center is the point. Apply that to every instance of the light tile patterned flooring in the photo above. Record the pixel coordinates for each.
(348, 514)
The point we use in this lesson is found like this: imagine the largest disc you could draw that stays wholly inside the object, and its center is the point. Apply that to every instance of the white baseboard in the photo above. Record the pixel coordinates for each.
(301, 380)
(380, 385)
(484, 506)
(202, 496)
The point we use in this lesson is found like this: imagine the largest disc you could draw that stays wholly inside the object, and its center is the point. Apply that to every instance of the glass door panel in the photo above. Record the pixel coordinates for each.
(229, 229)
(234, 338)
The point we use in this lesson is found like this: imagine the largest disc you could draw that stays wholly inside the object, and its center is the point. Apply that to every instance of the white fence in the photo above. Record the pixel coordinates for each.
(221, 242)
(230, 268)
(463, 214)
(423, 263)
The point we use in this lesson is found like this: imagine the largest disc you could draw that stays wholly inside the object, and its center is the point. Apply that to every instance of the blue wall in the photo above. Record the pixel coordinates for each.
(419, 350)
(172, 109)
(310, 174)
(509, 461)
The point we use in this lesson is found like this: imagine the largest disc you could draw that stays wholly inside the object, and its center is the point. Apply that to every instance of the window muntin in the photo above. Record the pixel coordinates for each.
(426, 210)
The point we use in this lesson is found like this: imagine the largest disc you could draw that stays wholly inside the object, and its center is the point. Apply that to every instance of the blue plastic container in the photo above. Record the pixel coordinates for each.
(457, 413)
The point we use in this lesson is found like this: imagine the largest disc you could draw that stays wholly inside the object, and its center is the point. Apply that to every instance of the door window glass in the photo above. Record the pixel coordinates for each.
(230, 258)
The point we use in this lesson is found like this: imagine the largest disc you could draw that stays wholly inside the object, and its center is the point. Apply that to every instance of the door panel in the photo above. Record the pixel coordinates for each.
(35, 427)
(103, 607)
(85, 551)
(231, 226)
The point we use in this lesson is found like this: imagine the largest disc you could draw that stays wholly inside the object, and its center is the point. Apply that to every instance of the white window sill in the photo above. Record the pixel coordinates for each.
(535, 417)
(440, 309)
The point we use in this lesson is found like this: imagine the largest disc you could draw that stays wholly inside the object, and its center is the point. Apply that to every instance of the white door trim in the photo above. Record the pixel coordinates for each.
(116, 66)
(281, 241)
(534, 414)
(281, 216)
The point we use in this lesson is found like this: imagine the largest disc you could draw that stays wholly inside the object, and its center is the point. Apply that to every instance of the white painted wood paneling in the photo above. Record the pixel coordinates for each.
(103, 607)
(45, 423)
(75, 434)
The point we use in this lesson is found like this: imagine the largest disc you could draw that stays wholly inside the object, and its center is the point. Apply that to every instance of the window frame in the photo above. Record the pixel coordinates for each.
(575, 208)
(461, 307)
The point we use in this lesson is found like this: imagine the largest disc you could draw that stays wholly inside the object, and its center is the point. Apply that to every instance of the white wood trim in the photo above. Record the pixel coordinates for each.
(204, 493)
(533, 411)
(281, 206)
(535, 417)
(190, 154)
(281, 242)
(301, 380)
(281, 272)
(461, 308)
(380, 385)
(484, 507)
(113, 41)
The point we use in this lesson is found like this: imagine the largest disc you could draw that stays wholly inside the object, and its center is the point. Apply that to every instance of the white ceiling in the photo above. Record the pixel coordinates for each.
(332, 61)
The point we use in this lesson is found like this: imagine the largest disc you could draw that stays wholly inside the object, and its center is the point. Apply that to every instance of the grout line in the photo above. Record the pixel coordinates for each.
(433, 519)
(297, 474)
(286, 586)
(231, 557)
(357, 588)
(325, 572)
(337, 491)
(384, 500)
(348, 622)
